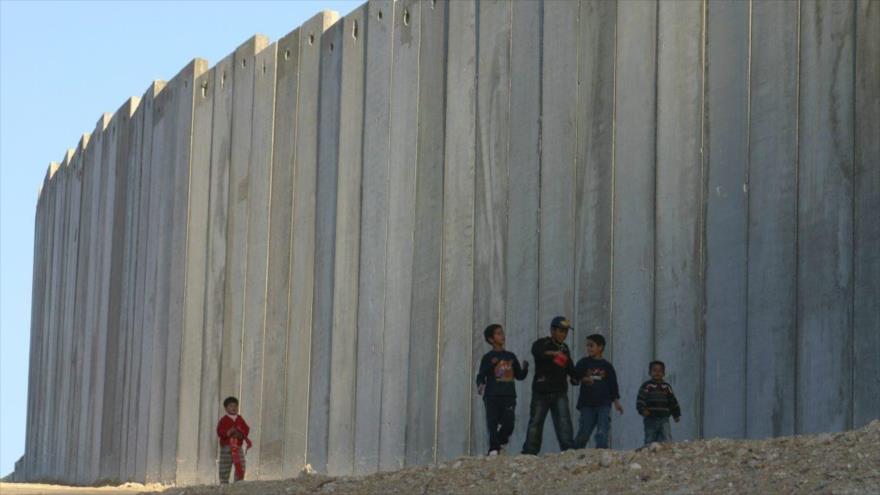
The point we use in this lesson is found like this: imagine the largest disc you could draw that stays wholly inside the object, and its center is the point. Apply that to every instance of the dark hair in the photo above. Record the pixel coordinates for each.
(489, 332)
(661, 363)
(229, 400)
(598, 339)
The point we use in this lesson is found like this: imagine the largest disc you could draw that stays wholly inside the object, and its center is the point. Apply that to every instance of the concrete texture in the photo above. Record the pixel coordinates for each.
(374, 202)
(343, 324)
(322, 226)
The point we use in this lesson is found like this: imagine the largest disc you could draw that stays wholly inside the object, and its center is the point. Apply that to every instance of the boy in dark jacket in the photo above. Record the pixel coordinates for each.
(495, 383)
(550, 388)
(598, 391)
(656, 402)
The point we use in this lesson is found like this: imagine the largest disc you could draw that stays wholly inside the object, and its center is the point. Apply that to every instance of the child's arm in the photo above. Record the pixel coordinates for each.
(520, 372)
(579, 370)
(674, 408)
(642, 401)
(483, 373)
(615, 391)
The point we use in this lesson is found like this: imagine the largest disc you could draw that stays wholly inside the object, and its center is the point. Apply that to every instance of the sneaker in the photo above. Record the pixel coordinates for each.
(493, 453)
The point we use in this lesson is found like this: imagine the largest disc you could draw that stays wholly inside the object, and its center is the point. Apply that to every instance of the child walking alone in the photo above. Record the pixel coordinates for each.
(233, 432)
(495, 383)
(656, 402)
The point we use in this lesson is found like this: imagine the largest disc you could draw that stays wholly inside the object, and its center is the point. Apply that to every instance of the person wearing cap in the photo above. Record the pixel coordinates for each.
(553, 366)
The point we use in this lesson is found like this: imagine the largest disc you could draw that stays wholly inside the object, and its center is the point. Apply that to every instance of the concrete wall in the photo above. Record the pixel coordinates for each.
(322, 226)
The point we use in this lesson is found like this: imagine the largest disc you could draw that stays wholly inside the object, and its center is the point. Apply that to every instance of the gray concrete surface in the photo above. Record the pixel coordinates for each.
(323, 226)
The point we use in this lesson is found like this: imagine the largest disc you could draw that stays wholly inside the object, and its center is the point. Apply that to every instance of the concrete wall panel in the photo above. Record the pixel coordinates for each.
(343, 357)
(192, 336)
(866, 264)
(374, 201)
(131, 302)
(146, 290)
(210, 406)
(103, 325)
(772, 194)
(559, 89)
(303, 246)
(491, 189)
(521, 311)
(162, 195)
(180, 236)
(51, 323)
(92, 174)
(325, 243)
(402, 174)
(422, 384)
(593, 193)
(258, 196)
(825, 217)
(278, 281)
(242, 73)
(678, 314)
(456, 294)
(37, 302)
(111, 431)
(68, 365)
(726, 135)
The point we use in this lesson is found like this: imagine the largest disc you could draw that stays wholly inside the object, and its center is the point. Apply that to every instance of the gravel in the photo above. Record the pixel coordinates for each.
(838, 463)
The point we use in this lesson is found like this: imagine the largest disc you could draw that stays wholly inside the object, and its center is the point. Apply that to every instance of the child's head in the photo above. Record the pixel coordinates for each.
(657, 369)
(559, 328)
(494, 335)
(231, 405)
(595, 345)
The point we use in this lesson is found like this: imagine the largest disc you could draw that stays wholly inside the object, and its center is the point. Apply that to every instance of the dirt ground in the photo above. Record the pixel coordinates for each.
(38, 489)
(840, 463)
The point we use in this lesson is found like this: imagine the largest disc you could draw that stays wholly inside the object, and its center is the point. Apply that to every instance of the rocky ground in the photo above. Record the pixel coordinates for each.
(841, 463)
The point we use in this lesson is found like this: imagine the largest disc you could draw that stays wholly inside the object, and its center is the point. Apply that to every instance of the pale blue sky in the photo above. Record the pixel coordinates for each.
(61, 65)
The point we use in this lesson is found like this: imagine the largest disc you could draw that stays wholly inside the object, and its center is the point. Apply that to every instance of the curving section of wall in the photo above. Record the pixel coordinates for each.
(323, 225)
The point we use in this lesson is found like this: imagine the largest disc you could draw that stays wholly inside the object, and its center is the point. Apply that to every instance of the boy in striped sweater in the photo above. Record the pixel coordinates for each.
(656, 402)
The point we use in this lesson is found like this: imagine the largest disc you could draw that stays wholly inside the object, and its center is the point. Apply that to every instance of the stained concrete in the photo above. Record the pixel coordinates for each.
(323, 226)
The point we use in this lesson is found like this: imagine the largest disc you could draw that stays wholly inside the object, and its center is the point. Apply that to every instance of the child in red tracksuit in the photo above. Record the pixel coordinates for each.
(233, 433)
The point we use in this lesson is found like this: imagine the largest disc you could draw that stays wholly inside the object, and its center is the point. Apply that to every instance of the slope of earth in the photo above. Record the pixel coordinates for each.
(840, 463)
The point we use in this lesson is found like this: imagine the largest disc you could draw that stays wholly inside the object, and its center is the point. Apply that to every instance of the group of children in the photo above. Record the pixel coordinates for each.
(495, 382)
(553, 372)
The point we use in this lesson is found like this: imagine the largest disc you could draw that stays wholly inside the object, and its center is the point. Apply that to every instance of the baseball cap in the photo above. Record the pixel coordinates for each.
(561, 322)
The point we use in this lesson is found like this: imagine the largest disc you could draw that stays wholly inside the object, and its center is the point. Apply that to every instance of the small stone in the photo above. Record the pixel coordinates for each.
(635, 466)
(606, 459)
(456, 465)
(654, 447)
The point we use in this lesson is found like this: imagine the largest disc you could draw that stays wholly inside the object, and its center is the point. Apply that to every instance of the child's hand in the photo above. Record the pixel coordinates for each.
(551, 353)
(618, 407)
(646, 413)
(587, 379)
(525, 366)
(480, 389)
(677, 419)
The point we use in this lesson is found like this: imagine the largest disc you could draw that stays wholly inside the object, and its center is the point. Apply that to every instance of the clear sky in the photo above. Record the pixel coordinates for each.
(61, 65)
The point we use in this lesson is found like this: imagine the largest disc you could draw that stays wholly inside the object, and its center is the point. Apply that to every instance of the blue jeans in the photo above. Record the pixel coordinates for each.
(557, 405)
(593, 417)
(657, 430)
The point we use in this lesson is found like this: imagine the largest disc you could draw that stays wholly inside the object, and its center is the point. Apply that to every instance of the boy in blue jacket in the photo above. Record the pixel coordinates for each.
(598, 391)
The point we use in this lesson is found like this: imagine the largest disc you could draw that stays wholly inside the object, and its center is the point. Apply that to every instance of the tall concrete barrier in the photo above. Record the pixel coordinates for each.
(323, 225)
